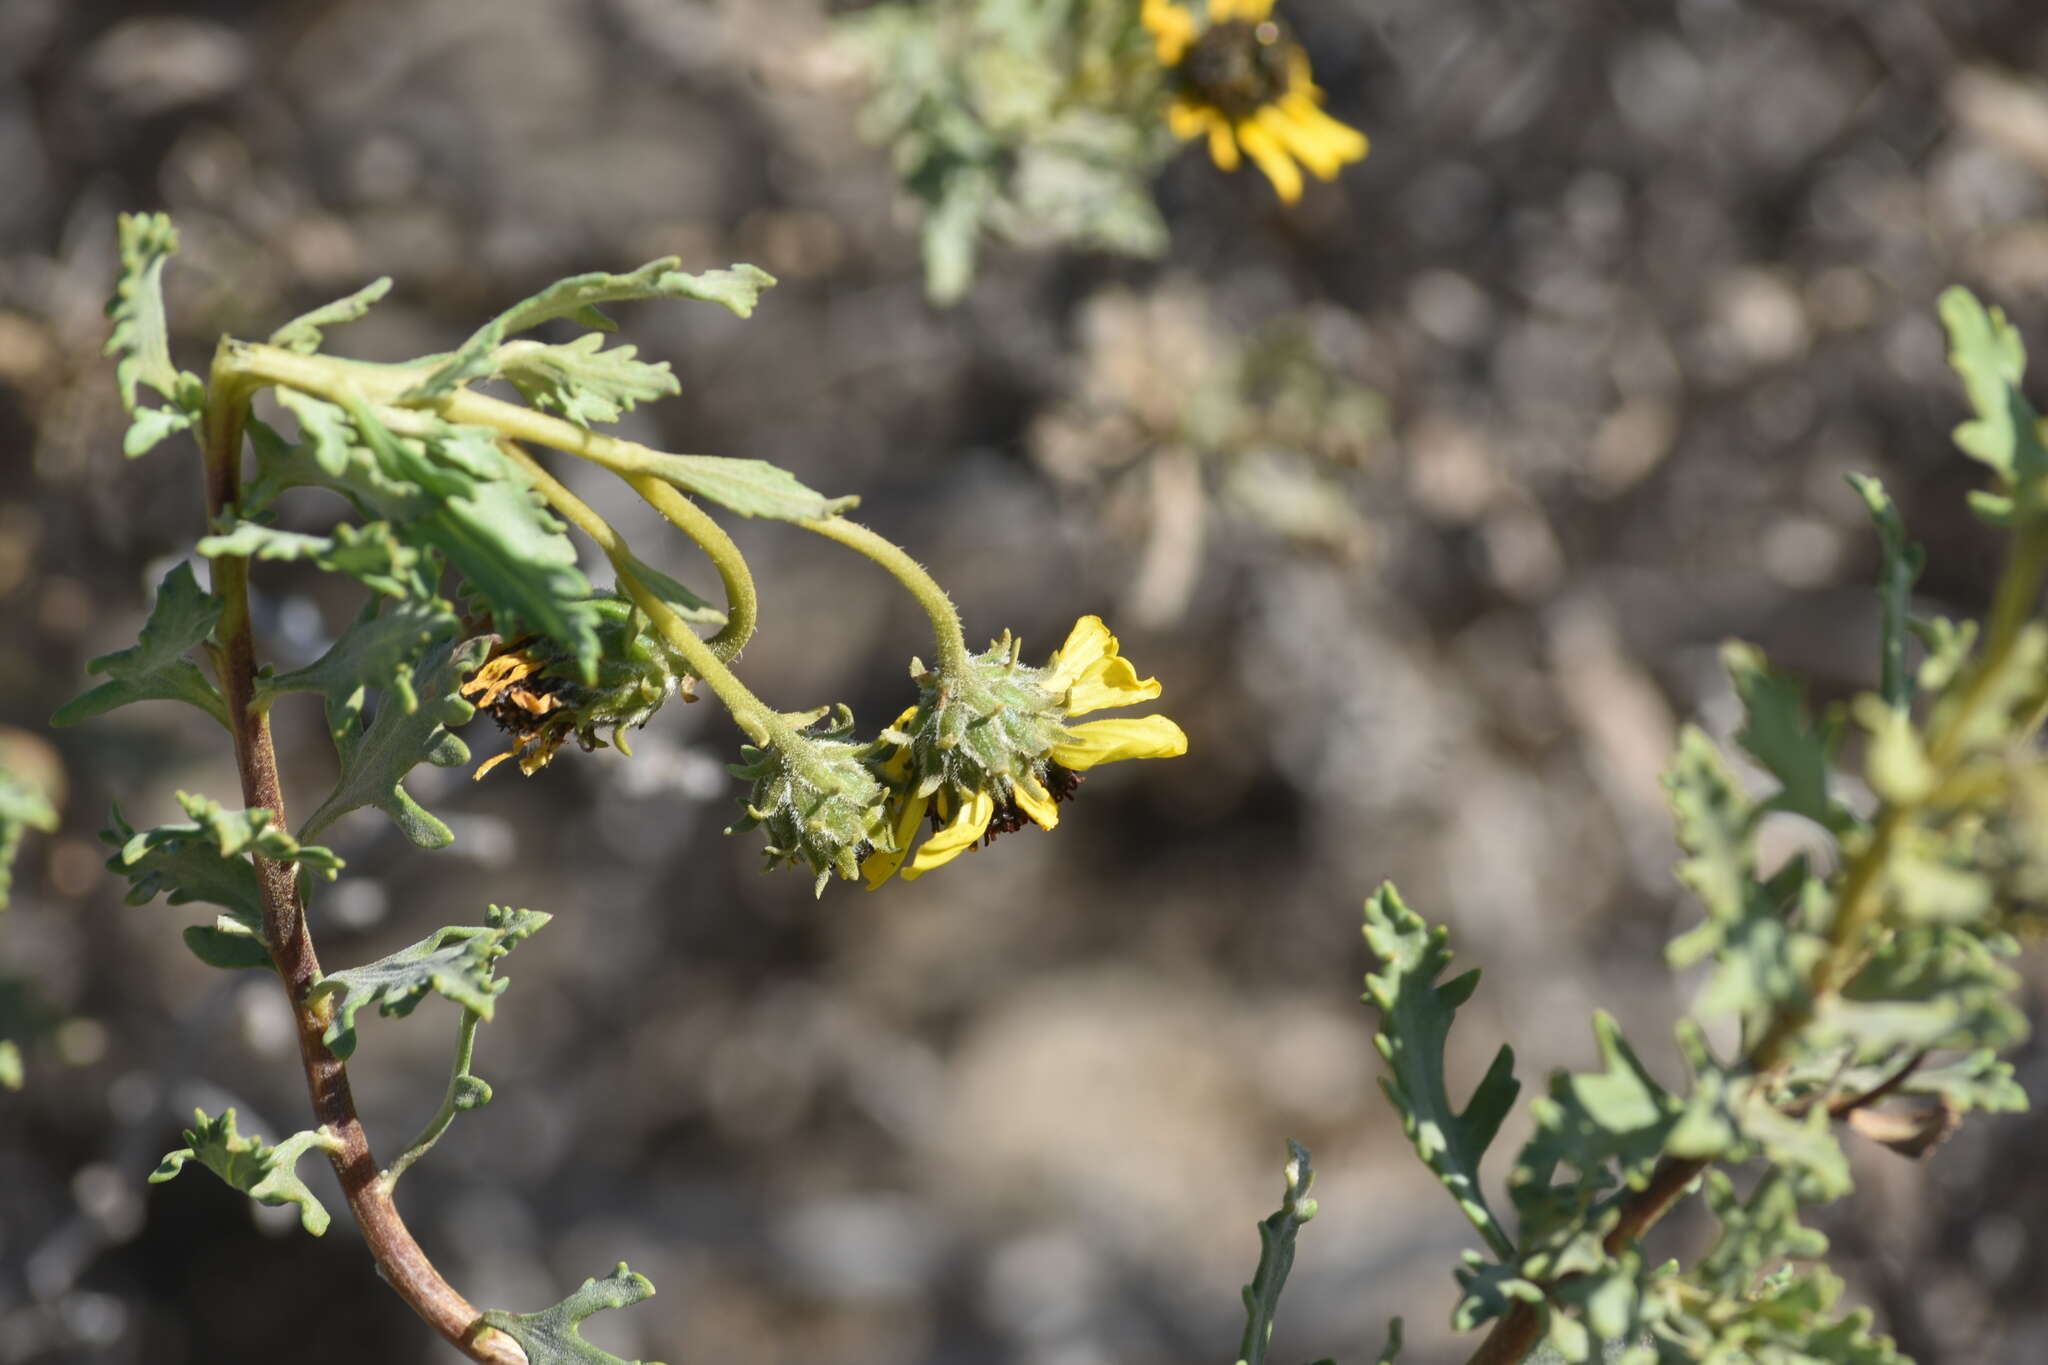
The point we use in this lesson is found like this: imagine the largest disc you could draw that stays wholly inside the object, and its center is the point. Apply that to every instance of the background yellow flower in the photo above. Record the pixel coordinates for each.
(1244, 83)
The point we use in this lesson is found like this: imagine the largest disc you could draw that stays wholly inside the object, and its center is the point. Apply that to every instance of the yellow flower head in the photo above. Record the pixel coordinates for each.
(982, 765)
(1242, 80)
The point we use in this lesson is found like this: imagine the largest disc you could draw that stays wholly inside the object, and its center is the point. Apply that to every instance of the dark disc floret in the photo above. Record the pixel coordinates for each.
(1239, 66)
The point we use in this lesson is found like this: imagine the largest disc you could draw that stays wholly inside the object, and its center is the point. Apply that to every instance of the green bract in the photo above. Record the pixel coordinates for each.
(818, 802)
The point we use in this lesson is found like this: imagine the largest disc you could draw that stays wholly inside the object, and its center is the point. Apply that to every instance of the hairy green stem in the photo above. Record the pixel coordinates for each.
(465, 1053)
(952, 642)
(742, 604)
(398, 1255)
(762, 723)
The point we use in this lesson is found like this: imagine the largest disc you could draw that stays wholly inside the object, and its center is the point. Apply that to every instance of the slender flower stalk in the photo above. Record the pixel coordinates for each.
(742, 603)
(951, 640)
(763, 724)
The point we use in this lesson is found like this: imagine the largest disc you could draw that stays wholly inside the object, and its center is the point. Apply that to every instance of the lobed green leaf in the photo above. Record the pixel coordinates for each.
(141, 335)
(378, 650)
(155, 667)
(1776, 733)
(195, 861)
(376, 757)
(554, 1335)
(1416, 1015)
(1987, 354)
(457, 962)
(373, 555)
(305, 333)
(1593, 1131)
(752, 488)
(737, 289)
(269, 1175)
(582, 382)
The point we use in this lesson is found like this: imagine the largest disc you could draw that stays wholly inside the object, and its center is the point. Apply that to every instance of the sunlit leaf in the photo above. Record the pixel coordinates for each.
(554, 1336)
(375, 757)
(24, 806)
(579, 297)
(141, 337)
(269, 1175)
(1416, 1013)
(155, 667)
(456, 962)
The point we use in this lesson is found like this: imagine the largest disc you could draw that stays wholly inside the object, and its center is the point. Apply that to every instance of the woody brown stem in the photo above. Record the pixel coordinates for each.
(403, 1263)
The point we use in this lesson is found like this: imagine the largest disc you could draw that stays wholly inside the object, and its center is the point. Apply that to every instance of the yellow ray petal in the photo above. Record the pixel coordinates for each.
(1222, 144)
(1321, 142)
(1189, 119)
(1109, 682)
(1299, 140)
(1035, 802)
(1088, 641)
(1263, 148)
(881, 865)
(1172, 29)
(960, 833)
(1110, 741)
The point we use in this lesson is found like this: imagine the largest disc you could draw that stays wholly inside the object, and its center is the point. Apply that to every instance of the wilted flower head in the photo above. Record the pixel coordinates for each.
(530, 686)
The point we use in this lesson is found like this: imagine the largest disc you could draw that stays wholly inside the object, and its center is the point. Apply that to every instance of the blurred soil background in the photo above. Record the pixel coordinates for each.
(1429, 501)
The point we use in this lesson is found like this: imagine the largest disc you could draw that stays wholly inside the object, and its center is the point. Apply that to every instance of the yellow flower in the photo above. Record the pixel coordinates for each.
(1085, 675)
(1245, 83)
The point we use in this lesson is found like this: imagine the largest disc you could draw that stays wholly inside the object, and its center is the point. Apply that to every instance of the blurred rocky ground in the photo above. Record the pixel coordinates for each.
(1590, 341)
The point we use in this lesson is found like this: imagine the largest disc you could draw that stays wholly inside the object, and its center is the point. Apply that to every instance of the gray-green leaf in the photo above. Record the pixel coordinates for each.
(269, 1175)
(1415, 1020)
(554, 1336)
(456, 962)
(155, 667)
(141, 335)
(578, 297)
(752, 488)
(305, 332)
(582, 382)
(375, 758)
(23, 806)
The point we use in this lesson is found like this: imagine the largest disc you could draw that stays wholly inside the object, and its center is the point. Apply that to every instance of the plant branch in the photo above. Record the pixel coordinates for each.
(398, 1256)
(451, 1102)
(1857, 905)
